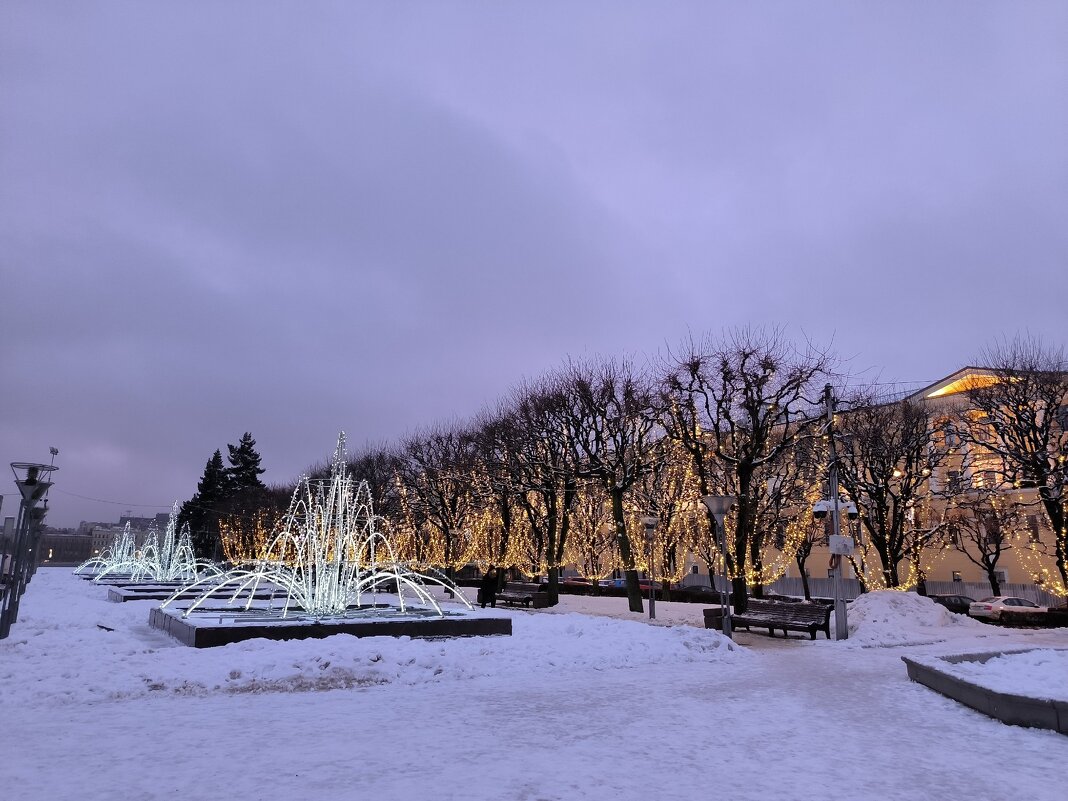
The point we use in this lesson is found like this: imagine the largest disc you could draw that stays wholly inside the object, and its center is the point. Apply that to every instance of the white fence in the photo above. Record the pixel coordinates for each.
(981, 589)
(824, 588)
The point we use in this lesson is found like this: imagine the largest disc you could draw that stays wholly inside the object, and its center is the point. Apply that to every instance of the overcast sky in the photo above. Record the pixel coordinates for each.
(293, 218)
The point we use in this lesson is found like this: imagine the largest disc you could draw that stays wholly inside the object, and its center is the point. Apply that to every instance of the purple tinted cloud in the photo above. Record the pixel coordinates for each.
(294, 218)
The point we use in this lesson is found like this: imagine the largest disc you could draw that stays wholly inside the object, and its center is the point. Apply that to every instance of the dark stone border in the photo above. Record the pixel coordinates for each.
(157, 592)
(1016, 710)
(187, 632)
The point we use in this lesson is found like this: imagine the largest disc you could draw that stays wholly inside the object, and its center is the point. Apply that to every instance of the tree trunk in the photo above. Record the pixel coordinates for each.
(995, 585)
(634, 592)
(1055, 511)
(554, 585)
(739, 597)
(739, 590)
(804, 578)
(550, 555)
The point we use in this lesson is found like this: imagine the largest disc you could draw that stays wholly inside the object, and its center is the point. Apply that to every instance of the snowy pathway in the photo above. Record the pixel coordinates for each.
(786, 721)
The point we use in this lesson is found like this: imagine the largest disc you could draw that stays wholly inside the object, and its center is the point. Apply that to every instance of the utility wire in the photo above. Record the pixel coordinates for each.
(116, 503)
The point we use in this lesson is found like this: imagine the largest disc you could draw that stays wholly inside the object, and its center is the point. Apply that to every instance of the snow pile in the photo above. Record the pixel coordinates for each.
(59, 650)
(889, 617)
(1042, 673)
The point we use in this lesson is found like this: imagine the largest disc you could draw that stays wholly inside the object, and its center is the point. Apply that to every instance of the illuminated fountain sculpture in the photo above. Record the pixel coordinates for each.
(328, 556)
(120, 552)
(171, 560)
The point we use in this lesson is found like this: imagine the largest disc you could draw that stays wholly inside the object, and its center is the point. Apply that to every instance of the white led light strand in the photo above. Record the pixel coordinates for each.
(169, 561)
(120, 552)
(328, 554)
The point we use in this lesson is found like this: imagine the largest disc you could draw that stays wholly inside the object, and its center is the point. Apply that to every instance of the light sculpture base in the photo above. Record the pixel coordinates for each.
(208, 628)
(120, 593)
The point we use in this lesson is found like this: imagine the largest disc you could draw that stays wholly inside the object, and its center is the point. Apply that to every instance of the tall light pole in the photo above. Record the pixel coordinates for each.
(719, 505)
(650, 523)
(839, 546)
(31, 479)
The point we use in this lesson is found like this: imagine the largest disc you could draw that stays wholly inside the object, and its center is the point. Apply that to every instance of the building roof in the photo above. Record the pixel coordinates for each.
(962, 380)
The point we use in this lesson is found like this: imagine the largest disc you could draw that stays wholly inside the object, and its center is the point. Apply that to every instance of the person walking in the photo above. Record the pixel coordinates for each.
(487, 589)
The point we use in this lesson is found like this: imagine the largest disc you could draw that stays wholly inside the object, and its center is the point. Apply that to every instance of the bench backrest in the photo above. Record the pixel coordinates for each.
(523, 587)
(802, 613)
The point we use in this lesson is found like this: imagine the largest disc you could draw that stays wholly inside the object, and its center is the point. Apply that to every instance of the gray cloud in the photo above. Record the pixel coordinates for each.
(291, 218)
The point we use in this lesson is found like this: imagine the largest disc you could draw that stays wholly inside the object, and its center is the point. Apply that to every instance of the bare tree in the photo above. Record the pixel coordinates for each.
(495, 485)
(437, 480)
(611, 428)
(886, 457)
(668, 492)
(592, 545)
(378, 465)
(982, 527)
(810, 533)
(1022, 417)
(545, 473)
(738, 408)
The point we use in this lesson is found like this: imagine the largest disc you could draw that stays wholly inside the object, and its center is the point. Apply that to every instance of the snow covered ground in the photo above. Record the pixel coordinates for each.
(584, 701)
(1042, 673)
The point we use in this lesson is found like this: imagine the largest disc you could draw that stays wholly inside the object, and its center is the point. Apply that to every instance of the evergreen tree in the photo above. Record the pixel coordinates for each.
(201, 511)
(244, 472)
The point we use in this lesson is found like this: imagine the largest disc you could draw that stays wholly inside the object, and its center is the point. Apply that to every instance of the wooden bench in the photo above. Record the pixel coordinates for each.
(525, 593)
(786, 616)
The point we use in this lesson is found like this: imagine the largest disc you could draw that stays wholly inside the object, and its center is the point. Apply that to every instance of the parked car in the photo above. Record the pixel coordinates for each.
(954, 603)
(576, 585)
(1007, 608)
(696, 593)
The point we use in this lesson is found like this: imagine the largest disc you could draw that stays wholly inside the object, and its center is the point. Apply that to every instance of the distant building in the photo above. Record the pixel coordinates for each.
(144, 523)
(64, 546)
(965, 470)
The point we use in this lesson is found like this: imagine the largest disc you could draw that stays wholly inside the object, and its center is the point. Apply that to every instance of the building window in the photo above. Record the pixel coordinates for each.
(693, 569)
(953, 482)
(954, 536)
(1033, 528)
(957, 576)
(1002, 576)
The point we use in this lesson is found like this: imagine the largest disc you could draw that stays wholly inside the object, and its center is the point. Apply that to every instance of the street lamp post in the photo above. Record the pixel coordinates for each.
(840, 546)
(719, 505)
(650, 524)
(31, 479)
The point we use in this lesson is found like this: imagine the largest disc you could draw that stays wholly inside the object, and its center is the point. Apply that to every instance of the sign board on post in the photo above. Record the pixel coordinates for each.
(841, 546)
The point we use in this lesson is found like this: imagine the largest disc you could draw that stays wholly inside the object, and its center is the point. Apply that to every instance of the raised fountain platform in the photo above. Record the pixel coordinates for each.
(161, 592)
(1016, 710)
(208, 628)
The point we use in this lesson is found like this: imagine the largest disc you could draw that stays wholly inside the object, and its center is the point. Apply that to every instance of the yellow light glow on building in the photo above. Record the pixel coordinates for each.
(965, 383)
